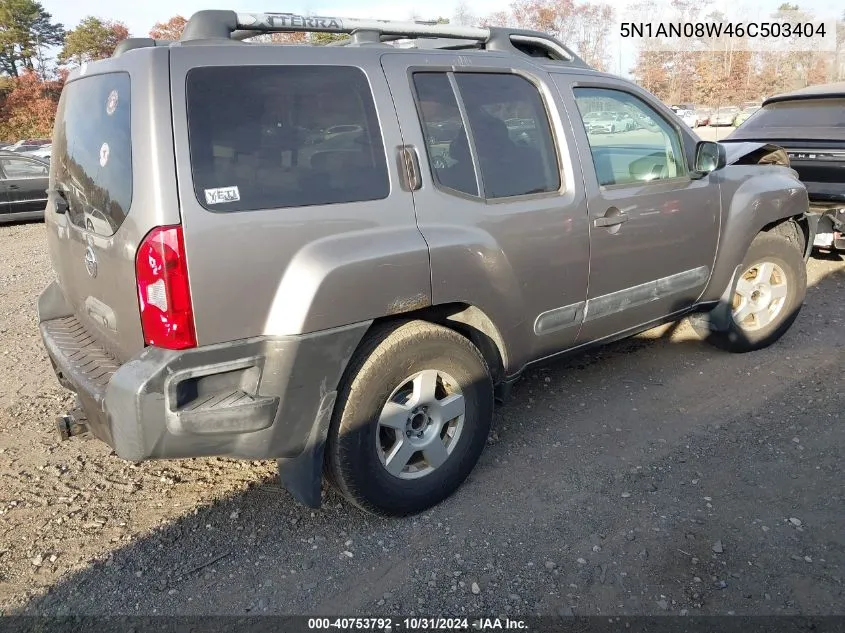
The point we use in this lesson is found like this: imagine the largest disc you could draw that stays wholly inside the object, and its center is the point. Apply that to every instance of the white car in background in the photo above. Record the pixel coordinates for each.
(689, 117)
(724, 116)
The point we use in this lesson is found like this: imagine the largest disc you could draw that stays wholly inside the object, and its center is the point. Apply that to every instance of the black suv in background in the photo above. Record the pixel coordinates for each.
(810, 125)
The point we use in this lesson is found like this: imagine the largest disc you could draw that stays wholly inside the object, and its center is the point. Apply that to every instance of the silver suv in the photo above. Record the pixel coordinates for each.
(338, 256)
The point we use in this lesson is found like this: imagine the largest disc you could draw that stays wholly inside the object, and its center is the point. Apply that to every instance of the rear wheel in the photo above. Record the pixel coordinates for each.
(767, 296)
(411, 420)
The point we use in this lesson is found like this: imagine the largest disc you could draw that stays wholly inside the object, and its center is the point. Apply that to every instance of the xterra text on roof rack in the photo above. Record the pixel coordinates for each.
(335, 256)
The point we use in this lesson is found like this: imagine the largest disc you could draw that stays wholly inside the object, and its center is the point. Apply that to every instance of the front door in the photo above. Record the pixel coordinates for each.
(500, 202)
(653, 228)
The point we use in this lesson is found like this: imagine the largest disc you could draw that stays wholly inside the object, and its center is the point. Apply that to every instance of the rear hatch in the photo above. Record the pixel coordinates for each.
(104, 175)
(812, 131)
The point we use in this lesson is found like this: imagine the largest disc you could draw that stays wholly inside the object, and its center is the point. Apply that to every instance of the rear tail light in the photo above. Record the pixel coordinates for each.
(164, 297)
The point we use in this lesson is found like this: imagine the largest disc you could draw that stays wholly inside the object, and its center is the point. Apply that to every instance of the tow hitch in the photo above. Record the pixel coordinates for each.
(72, 424)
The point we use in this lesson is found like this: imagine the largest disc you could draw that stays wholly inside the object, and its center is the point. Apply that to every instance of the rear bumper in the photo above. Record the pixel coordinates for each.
(260, 398)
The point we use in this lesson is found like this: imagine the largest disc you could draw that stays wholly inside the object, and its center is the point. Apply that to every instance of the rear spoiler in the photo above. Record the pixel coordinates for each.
(138, 42)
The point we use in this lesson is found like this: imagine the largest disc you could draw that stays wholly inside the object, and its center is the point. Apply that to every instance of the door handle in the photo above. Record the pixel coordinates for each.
(14, 186)
(610, 220)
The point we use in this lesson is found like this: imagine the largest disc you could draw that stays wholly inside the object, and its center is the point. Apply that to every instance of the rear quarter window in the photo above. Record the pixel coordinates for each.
(264, 137)
(92, 150)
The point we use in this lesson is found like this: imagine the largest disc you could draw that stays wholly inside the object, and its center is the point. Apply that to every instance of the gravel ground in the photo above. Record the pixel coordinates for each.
(656, 476)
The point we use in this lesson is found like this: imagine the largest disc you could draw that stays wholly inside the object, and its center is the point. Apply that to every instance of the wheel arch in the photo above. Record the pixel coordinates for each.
(466, 319)
(797, 230)
(757, 199)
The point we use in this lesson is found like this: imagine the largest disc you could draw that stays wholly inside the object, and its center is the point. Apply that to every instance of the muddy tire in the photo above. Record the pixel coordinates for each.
(412, 418)
(767, 296)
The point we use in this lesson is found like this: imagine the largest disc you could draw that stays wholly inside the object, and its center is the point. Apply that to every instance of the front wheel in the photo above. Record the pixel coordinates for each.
(411, 419)
(767, 296)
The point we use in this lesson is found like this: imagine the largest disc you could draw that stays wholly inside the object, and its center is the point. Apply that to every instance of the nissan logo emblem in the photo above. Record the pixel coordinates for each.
(90, 262)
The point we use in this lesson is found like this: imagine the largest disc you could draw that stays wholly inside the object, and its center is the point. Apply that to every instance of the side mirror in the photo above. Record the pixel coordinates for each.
(709, 156)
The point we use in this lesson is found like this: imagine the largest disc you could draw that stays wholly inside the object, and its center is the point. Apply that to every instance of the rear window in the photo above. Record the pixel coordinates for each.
(264, 137)
(804, 113)
(92, 151)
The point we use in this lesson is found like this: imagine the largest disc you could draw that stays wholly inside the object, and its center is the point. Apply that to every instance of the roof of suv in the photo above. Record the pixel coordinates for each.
(218, 27)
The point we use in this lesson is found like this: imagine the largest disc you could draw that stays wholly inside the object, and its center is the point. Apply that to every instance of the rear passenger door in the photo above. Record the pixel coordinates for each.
(654, 228)
(499, 201)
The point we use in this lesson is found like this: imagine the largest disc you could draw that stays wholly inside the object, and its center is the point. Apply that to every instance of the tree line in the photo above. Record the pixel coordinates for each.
(718, 72)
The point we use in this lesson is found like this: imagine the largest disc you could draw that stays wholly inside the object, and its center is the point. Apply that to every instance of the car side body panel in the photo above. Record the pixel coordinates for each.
(321, 284)
(753, 197)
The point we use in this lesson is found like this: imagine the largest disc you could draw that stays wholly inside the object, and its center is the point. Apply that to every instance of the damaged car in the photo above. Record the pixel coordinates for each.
(353, 310)
(810, 125)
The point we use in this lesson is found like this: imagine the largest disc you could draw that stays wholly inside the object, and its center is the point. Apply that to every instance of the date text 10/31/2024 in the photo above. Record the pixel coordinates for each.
(391, 625)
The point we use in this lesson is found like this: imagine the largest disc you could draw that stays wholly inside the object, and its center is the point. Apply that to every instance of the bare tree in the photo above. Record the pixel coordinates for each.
(722, 70)
(463, 15)
(584, 26)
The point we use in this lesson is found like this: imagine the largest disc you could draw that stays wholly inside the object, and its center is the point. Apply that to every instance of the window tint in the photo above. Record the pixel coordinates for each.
(511, 134)
(448, 148)
(629, 141)
(18, 168)
(803, 113)
(266, 137)
(92, 149)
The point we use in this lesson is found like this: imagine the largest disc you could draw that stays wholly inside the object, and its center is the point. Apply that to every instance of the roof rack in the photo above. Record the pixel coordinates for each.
(231, 25)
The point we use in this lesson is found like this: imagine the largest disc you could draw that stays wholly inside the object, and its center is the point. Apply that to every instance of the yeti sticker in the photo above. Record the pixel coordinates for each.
(221, 195)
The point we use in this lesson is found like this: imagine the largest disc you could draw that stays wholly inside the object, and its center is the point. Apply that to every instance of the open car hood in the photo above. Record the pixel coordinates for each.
(754, 153)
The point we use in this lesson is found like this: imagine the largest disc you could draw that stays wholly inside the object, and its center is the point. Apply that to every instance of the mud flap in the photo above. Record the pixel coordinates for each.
(718, 319)
(302, 476)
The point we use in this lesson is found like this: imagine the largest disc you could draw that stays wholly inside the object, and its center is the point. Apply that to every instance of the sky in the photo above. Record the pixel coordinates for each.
(139, 16)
